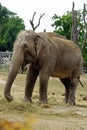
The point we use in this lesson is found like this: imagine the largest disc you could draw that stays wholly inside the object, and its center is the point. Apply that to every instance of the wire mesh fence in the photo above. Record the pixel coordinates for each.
(85, 67)
(5, 58)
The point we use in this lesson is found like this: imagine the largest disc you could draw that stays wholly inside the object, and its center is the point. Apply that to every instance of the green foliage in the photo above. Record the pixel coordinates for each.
(85, 56)
(10, 25)
(63, 26)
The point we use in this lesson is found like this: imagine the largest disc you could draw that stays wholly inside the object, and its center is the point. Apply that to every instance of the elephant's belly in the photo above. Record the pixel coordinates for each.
(61, 75)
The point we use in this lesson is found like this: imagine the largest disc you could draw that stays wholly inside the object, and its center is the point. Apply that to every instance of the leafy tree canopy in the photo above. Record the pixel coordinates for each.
(10, 25)
(63, 25)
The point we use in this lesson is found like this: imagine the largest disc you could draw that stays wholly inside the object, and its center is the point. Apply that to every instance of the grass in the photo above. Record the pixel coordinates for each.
(55, 111)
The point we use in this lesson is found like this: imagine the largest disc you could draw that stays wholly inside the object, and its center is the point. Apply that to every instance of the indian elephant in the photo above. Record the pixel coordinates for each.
(49, 54)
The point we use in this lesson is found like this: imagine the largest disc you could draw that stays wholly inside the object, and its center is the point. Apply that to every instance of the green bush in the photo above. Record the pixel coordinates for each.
(85, 57)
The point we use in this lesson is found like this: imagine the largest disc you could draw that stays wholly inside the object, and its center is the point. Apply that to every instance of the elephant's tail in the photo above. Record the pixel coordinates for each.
(80, 83)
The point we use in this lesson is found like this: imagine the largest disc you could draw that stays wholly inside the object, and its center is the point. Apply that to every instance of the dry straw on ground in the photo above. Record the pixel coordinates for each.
(19, 115)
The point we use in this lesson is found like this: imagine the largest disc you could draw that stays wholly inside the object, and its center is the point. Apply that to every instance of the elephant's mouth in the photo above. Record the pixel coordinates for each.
(29, 58)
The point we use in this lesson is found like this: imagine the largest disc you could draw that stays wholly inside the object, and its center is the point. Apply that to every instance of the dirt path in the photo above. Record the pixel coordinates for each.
(64, 118)
(58, 116)
(2, 81)
(61, 124)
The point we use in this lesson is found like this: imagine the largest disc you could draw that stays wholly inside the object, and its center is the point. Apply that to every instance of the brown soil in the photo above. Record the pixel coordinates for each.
(55, 116)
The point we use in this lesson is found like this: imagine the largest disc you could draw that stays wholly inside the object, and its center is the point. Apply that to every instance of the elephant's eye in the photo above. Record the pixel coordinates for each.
(25, 45)
(35, 40)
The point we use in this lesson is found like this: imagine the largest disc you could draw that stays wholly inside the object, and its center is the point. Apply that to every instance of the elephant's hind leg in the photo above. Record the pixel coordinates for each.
(67, 84)
(74, 83)
(70, 89)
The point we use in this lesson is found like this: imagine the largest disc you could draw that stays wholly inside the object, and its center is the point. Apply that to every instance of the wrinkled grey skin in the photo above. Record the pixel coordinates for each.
(49, 54)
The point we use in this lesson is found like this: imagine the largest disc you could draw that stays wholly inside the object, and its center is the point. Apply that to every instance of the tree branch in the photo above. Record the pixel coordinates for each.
(39, 20)
(32, 21)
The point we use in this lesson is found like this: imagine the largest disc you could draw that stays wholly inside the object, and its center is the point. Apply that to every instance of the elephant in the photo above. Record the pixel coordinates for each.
(48, 54)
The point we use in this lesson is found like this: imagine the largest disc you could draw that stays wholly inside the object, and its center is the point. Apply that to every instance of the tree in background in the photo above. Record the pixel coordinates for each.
(32, 21)
(10, 25)
(62, 24)
(73, 27)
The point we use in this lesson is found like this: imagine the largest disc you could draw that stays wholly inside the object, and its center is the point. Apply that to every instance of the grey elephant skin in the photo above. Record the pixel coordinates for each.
(48, 54)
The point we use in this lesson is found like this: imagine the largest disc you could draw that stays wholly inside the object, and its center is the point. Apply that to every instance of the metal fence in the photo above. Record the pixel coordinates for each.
(5, 58)
(85, 67)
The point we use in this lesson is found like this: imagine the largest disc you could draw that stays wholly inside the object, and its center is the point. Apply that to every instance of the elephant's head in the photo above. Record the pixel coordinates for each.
(27, 46)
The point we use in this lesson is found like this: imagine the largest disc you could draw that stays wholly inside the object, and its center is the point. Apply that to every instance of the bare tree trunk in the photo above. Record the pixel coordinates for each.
(74, 32)
(85, 35)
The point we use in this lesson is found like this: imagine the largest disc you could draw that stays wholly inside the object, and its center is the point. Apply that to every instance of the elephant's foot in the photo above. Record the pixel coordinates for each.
(42, 101)
(25, 99)
(44, 104)
(8, 97)
(70, 101)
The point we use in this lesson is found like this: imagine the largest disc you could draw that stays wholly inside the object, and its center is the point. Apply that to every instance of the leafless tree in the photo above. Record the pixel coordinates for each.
(74, 31)
(85, 23)
(32, 21)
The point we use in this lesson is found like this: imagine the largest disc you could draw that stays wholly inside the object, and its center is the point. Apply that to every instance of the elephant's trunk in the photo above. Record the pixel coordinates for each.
(14, 69)
(8, 85)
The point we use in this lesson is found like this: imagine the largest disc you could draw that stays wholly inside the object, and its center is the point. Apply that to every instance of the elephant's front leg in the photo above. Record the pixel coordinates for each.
(43, 88)
(30, 82)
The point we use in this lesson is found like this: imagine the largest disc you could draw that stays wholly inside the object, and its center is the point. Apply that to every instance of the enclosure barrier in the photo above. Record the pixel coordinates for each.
(85, 67)
(5, 58)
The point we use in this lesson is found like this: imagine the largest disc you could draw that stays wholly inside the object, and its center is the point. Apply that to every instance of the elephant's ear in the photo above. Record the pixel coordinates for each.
(39, 44)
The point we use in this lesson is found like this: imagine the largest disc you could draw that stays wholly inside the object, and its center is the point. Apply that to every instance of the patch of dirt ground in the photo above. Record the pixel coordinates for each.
(55, 116)
(64, 118)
